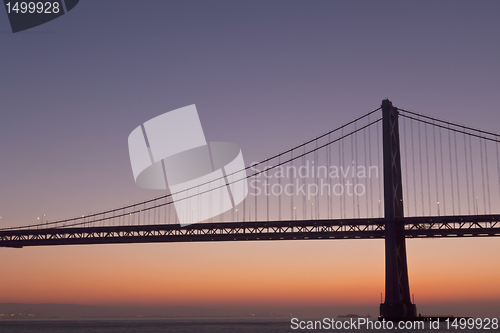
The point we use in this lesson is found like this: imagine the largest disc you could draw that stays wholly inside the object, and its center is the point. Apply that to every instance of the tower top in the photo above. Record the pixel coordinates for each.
(386, 103)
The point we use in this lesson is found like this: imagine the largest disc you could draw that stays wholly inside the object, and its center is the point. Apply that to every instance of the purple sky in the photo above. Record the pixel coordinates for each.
(264, 74)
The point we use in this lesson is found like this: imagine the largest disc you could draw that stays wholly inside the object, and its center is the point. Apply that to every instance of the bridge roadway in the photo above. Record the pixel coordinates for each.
(415, 227)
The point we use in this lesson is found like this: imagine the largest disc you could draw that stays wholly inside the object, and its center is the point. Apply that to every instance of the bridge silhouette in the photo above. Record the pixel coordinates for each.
(439, 180)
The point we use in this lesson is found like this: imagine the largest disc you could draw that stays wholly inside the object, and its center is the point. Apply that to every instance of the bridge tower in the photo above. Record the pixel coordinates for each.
(397, 303)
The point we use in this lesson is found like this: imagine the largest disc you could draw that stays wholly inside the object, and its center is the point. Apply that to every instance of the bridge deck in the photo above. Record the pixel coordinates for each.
(415, 227)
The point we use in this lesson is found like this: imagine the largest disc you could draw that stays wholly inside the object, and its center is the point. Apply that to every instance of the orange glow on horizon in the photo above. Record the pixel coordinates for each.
(274, 273)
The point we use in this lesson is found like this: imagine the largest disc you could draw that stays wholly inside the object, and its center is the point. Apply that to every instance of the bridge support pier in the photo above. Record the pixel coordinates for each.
(397, 303)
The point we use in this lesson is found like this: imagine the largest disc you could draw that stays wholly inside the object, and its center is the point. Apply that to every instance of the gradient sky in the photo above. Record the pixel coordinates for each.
(266, 75)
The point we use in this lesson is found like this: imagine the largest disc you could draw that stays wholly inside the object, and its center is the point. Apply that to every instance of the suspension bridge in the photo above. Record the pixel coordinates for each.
(389, 174)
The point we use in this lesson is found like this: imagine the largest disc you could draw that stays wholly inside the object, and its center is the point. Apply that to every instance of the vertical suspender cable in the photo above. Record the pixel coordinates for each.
(435, 166)
(267, 189)
(456, 173)
(498, 168)
(343, 199)
(466, 173)
(413, 167)
(405, 194)
(421, 171)
(369, 166)
(482, 174)
(255, 203)
(316, 170)
(428, 172)
(451, 171)
(487, 175)
(329, 179)
(442, 168)
(139, 216)
(210, 192)
(340, 164)
(304, 203)
(352, 164)
(279, 196)
(243, 196)
(365, 166)
(356, 198)
(221, 191)
(379, 178)
(291, 182)
(472, 176)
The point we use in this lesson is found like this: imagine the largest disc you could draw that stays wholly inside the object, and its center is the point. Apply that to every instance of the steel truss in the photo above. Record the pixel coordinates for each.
(415, 227)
